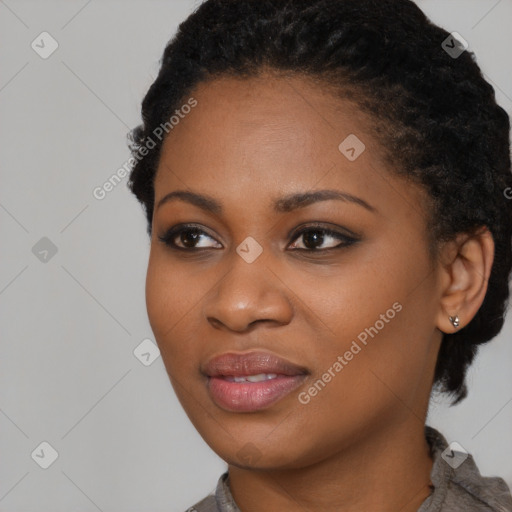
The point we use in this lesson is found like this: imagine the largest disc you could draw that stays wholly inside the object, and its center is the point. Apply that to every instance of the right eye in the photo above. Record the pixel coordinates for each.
(187, 235)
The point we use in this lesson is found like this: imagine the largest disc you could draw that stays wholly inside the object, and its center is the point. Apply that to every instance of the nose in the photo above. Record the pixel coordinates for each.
(247, 294)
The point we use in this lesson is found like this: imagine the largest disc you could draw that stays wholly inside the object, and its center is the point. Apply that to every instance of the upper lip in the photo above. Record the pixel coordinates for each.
(250, 363)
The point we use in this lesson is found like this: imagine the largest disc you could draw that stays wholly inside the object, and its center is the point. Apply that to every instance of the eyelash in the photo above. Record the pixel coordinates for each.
(171, 234)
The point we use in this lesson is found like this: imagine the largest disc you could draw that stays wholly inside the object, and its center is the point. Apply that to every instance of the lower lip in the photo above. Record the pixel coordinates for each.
(251, 396)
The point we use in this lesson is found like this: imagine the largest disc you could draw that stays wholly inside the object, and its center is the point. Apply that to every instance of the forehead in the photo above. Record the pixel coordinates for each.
(260, 118)
(255, 137)
(277, 110)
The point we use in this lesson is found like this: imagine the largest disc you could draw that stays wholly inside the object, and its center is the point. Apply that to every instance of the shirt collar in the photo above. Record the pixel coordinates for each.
(440, 475)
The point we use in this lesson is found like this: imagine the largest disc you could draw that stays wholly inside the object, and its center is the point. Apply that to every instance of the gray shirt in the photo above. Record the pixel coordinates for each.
(457, 485)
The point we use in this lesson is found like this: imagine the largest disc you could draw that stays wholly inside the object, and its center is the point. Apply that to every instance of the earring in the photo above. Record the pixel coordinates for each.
(454, 320)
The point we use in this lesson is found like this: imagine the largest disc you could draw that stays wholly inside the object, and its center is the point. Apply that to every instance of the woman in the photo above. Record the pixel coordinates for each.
(325, 188)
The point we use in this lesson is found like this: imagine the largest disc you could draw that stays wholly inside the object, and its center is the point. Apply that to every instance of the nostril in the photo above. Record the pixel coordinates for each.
(214, 322)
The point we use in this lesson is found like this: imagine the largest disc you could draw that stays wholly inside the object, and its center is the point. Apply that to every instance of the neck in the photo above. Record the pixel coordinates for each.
(386, 471)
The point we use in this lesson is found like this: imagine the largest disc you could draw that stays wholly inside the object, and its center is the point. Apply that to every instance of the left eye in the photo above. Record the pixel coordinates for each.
(317, 236)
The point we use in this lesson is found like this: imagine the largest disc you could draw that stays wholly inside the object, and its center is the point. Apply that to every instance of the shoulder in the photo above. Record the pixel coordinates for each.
(221, 501)
(458, 484)
(207, 504)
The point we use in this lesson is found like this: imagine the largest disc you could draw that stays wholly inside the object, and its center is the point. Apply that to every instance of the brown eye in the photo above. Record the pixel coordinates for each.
(187, 238)
(316, 237)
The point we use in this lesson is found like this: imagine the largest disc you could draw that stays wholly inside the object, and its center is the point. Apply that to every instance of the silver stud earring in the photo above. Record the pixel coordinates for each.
(454, 320)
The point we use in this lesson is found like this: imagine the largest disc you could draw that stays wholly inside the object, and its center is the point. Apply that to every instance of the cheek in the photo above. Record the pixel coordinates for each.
(350, 298)
(158, 293)
(169, 302)
(383, 296)
(379, 315)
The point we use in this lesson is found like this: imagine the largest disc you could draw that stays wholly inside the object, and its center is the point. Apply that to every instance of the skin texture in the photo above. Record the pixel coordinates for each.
(359, 443)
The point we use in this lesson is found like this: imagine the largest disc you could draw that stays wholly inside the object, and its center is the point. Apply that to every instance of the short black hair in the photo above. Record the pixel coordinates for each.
(433, 111)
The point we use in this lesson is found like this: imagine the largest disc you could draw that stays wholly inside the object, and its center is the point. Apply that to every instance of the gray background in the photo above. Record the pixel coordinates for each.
(70, 324)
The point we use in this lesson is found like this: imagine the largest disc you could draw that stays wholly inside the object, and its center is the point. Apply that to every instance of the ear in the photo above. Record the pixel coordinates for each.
(466, 264)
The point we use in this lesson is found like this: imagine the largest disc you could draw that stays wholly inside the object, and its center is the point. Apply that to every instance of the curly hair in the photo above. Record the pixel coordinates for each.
(435, 115)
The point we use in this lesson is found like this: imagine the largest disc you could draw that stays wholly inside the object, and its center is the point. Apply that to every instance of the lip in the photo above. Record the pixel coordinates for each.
(251, 396)
(250, 363)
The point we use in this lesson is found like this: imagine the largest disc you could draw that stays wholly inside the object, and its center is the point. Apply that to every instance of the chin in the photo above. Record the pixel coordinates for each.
(246, 453)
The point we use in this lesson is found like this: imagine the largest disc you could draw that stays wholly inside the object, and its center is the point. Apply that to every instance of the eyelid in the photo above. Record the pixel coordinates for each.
(174, 231)
(346, 239)
(326, 226)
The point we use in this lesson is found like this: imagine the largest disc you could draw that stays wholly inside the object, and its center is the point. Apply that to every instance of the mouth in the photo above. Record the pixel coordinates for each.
(252, 381)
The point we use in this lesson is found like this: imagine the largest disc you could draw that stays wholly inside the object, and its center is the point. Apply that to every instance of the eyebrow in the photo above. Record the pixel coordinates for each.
(284, 204)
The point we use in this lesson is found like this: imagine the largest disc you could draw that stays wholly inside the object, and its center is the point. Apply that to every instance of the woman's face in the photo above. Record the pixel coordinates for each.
(350, 303)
